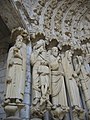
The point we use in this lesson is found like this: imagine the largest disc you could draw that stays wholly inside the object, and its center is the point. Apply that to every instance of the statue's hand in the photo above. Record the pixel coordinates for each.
(62, 73)
(78, 83)
(74, 75)
(11, 62)
(8, 80)
(88, 74)
(59, 58)
(22, 68)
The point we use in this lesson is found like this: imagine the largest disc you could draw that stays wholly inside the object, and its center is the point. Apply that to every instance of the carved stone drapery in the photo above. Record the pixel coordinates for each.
(16, 74)
(58, 91)
(70, 77)
(64, 21)
(57, 69)
(41, 78)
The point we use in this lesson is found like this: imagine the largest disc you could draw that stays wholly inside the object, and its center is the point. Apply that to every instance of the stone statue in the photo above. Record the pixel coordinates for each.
(41, 75)
(70, 77)
(58, 92)
(76, 67)
(84, 78)
(88, 47)
(16, 68)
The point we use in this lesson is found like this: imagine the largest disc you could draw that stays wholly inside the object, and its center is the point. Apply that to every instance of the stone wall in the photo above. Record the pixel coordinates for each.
(3, 60)
(64, 21)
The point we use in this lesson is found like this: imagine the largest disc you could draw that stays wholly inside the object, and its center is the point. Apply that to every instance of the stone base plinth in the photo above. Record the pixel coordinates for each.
(12, 118)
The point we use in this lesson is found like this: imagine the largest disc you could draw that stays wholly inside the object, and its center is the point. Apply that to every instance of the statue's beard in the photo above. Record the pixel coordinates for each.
(18, 46)
(55, 55)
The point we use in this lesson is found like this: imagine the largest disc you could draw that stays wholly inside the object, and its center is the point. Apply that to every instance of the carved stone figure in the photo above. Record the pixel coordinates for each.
(70, 77)
(58, 92)
(87, 63)
(84, 77)
(41, 75)
(88, 47)
(16, 68)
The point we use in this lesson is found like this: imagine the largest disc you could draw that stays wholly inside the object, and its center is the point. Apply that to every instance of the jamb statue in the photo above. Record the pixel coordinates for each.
(58, 92)
(70, 77)
(40, 76)
(15, 78)
(16, 68)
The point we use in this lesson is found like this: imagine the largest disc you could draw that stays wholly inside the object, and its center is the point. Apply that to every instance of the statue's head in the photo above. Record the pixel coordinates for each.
(55, 51)
(19, 40)
(68, 53)
(81, 59)
(88, 45)
(40, 43)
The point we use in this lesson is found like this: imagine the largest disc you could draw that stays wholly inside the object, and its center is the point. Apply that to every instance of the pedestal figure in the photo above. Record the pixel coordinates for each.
(58, 91)
(15, 78)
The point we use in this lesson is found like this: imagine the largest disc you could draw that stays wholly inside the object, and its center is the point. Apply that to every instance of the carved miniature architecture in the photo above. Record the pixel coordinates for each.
(45, 59)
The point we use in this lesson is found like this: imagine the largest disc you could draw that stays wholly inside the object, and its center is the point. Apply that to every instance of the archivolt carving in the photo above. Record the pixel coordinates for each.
(61, 20)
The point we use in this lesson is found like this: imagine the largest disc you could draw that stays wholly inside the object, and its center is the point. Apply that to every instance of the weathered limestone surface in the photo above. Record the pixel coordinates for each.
(16, 76)
(64, 24)
(25, 112)
(3, 60)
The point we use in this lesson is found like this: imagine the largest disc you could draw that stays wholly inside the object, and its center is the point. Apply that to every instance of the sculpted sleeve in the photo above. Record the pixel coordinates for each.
(33, 58)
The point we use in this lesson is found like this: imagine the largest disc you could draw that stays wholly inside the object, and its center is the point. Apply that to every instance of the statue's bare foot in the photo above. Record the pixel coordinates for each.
(79, 109)
(18, 101)
(7, 101)
(66, 109)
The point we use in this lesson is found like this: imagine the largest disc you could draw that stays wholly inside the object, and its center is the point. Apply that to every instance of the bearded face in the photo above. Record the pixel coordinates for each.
(55, 51)
(19, 41)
